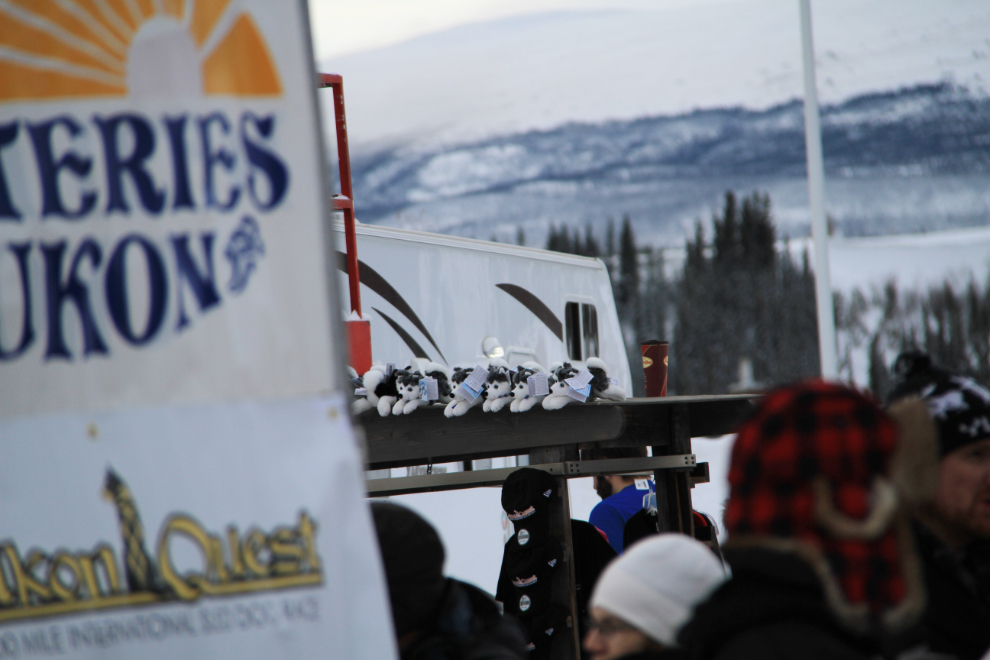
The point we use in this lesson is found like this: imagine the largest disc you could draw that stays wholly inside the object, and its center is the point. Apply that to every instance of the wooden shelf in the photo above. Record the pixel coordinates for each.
(426, 436)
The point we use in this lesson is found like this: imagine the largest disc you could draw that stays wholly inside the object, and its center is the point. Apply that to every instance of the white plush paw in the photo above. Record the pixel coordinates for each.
(448, 410)
(360, 405)
(531, 402)
(613, 393)
(487, 405)
(514, 406)
(411, 406)
(498, 404)
(556, 402)
(460, 408)
(385, 405)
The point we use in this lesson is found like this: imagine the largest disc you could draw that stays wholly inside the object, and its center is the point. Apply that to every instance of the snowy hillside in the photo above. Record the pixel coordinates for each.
(540, 71)
(915, 159)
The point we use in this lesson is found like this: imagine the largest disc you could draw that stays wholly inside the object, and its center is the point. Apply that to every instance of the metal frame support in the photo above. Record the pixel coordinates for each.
(685, 463)
(674, 488)
(563, 590)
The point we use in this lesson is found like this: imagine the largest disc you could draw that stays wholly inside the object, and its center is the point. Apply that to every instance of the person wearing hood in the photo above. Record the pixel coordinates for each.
(953, 528)
(645, 596)
(820, 549)
(436, 617)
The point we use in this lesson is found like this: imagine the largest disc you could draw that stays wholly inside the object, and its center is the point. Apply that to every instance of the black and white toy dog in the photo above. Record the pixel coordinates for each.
(499, 393)
(407, 385)
(380, 391)
(521, 399)
(601, 387)
(558, 397)
(458, 404)
(434, 370)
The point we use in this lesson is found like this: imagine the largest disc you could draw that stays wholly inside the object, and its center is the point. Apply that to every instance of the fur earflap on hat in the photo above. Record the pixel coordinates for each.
(959, 406)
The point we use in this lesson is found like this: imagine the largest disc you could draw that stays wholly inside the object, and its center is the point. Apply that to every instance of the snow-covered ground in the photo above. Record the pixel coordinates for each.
(912, 260)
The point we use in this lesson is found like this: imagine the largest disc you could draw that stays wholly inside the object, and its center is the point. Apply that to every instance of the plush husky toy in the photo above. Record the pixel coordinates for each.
(407, 385)
(434, 370)
(558, 397)
(601, 388)
(374, 385)
(499, 392)
(459, 405)
(521, 400)
(385, 389)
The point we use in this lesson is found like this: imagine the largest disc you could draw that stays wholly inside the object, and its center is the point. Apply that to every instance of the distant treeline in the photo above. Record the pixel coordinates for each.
(735, 298)
(739, 297)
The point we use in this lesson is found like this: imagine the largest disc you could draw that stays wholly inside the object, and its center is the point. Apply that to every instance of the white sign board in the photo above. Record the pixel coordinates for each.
(178, 474)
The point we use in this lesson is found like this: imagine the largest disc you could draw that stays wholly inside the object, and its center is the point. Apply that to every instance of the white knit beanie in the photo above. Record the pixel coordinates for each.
(657, 583)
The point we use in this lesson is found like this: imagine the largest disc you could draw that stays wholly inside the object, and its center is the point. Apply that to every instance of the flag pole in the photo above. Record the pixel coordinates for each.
(828, 352)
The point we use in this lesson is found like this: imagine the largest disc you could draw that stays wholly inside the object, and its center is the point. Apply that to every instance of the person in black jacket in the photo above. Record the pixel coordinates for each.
(953, 529)
(533, 570)
(820, 550)
(435, 617)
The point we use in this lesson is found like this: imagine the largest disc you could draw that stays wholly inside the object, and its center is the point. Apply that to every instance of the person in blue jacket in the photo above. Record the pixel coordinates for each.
(622, 495)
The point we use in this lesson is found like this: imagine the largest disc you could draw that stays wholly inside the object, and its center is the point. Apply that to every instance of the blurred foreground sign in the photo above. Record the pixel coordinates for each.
(178, 474)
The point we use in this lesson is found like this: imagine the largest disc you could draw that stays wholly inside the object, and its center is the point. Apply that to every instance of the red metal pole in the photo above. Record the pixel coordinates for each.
(346, 202)
(358, 331)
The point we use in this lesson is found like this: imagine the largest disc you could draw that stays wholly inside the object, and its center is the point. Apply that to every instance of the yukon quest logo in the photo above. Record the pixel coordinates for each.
(111, 166)
(40, 583)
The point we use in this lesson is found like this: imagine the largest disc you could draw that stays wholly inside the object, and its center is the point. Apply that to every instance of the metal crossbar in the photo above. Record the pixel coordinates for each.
(568, 469)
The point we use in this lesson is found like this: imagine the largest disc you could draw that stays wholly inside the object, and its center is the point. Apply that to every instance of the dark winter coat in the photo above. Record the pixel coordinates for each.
(773, 607)
(957, 620)
(469, 627)
(542, 617)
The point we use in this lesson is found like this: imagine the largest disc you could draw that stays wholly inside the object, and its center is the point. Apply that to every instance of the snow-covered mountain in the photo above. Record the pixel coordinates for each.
(914, 159)
(541, 71)
(573, 117)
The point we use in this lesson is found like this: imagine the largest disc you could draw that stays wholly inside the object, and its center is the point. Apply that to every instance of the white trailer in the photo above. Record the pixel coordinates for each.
(459, 301)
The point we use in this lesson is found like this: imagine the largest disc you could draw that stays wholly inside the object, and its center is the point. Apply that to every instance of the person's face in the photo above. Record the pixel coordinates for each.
(963, 496)
(609, 637)
(603, 487)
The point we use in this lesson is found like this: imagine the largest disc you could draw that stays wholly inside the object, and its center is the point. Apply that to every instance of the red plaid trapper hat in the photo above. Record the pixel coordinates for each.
(805, 468)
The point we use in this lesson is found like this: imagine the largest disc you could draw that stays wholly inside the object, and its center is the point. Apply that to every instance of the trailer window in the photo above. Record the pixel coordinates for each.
(572, 322)
(589, 330)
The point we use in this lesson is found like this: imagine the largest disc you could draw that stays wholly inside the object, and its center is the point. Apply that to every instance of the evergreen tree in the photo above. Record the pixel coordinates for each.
(591, 247)
(742, 301)
(552, 238)
(628, 265)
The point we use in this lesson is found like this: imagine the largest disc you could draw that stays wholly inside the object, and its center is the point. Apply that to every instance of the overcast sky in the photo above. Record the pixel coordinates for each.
(350, 26)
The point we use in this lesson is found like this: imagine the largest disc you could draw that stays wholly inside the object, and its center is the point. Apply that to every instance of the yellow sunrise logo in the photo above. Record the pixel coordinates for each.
(56, 49)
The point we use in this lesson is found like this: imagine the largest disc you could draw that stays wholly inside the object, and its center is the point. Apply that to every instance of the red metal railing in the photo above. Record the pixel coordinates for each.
(358, 331)
(345, 201)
